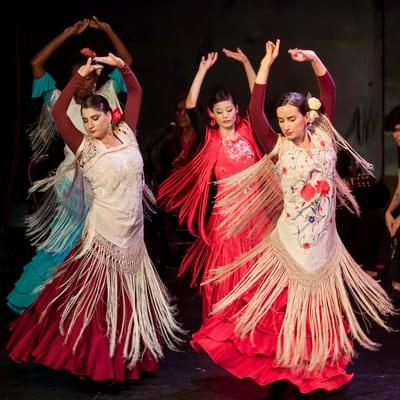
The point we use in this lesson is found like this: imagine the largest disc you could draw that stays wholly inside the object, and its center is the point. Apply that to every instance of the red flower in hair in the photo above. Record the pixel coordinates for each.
(116, 115)
(88, 52)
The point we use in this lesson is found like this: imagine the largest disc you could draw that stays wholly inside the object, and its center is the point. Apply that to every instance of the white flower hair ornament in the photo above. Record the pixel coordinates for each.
(314, 105)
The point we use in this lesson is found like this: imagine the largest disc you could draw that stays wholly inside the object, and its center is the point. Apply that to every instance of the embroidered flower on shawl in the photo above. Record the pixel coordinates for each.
(308, 192)
(322, 143)
(322, 187)
(284, 171)
(306, 246)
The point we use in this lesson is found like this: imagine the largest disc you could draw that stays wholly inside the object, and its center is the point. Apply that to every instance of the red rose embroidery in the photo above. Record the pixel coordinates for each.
(308, 192)
(306, 246)
(322, 187)
(284, 171)
(322, 143)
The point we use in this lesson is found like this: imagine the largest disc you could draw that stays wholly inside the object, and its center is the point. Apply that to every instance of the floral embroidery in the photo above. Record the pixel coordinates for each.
(239, 150)
(323, 188)
(307, 179)
(308, 192)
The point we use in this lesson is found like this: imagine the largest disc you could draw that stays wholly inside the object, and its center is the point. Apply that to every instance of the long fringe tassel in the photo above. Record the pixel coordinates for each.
(252, 193)
(43, 132)
(314, 328)
(323, 123)
(138, 311)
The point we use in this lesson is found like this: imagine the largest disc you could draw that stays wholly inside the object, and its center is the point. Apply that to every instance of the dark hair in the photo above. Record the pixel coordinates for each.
(294, 99)
(220, 95)
(392, 118)
(98, 102)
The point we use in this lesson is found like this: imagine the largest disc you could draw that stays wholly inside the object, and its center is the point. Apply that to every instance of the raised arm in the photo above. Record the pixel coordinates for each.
(71, 135)
(134, 90)
(205, 64)
(266, 136)
(238, 55)
(327, 90)
(119, 46)
(39, 60)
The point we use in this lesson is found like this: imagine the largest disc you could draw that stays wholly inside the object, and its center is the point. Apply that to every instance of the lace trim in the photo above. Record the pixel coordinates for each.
(115, 257)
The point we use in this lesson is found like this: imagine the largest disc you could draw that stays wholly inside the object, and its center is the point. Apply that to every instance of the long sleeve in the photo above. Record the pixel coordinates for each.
(327, 93)
(265, 135)
(134, 97)
(71, 135)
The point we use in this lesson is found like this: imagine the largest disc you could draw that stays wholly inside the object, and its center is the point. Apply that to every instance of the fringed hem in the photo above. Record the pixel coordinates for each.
(42, 134)
(138, 313)
(318, 307)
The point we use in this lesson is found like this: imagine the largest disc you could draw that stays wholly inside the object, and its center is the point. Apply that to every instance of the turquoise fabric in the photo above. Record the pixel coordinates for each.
(44, 87)
(42, 266)
(119, 83)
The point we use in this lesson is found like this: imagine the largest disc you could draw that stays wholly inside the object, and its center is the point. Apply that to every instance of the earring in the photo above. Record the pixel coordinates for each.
(213, 122)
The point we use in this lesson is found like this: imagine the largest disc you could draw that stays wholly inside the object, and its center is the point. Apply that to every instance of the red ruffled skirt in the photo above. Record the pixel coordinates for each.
(203, 257)
(37, 337)
(256, 359)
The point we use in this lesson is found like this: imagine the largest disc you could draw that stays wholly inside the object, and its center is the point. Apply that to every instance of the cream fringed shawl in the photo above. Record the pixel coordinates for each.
(113, 258)
(322, 305)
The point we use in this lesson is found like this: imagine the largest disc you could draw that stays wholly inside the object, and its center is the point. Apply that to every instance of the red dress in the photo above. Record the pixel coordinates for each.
(217, 160)
(279, 322)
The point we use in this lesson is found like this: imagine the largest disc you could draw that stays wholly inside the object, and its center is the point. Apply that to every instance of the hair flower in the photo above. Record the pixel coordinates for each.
(116, 115)
(314, 103)
(87, 52)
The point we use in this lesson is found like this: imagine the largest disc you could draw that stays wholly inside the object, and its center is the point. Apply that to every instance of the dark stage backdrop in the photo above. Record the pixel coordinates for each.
(357, 39)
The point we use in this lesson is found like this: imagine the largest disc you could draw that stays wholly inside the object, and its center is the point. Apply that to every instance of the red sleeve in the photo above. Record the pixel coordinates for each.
(134, 97)
(265, 135)
(327, 93)
(71, 135)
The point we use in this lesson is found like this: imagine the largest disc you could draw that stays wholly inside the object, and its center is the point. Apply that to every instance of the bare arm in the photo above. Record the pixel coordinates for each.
(238, 55)
(118, 44)
(39, 60)
(205, 64)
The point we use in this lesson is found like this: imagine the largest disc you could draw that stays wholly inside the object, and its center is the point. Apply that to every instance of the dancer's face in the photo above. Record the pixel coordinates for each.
(396, 134)
(292, 122)
(225, 113)
(182, 117)
(97, 123)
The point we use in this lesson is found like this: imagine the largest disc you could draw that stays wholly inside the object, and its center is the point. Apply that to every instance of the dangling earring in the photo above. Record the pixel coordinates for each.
(213, 122)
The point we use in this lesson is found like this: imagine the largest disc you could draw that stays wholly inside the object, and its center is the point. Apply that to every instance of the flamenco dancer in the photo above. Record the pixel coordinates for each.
(293, 315)
(229, 147)
(105, 315)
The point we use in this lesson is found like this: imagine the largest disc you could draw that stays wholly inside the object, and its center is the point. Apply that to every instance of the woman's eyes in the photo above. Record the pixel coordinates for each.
(228, 110)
